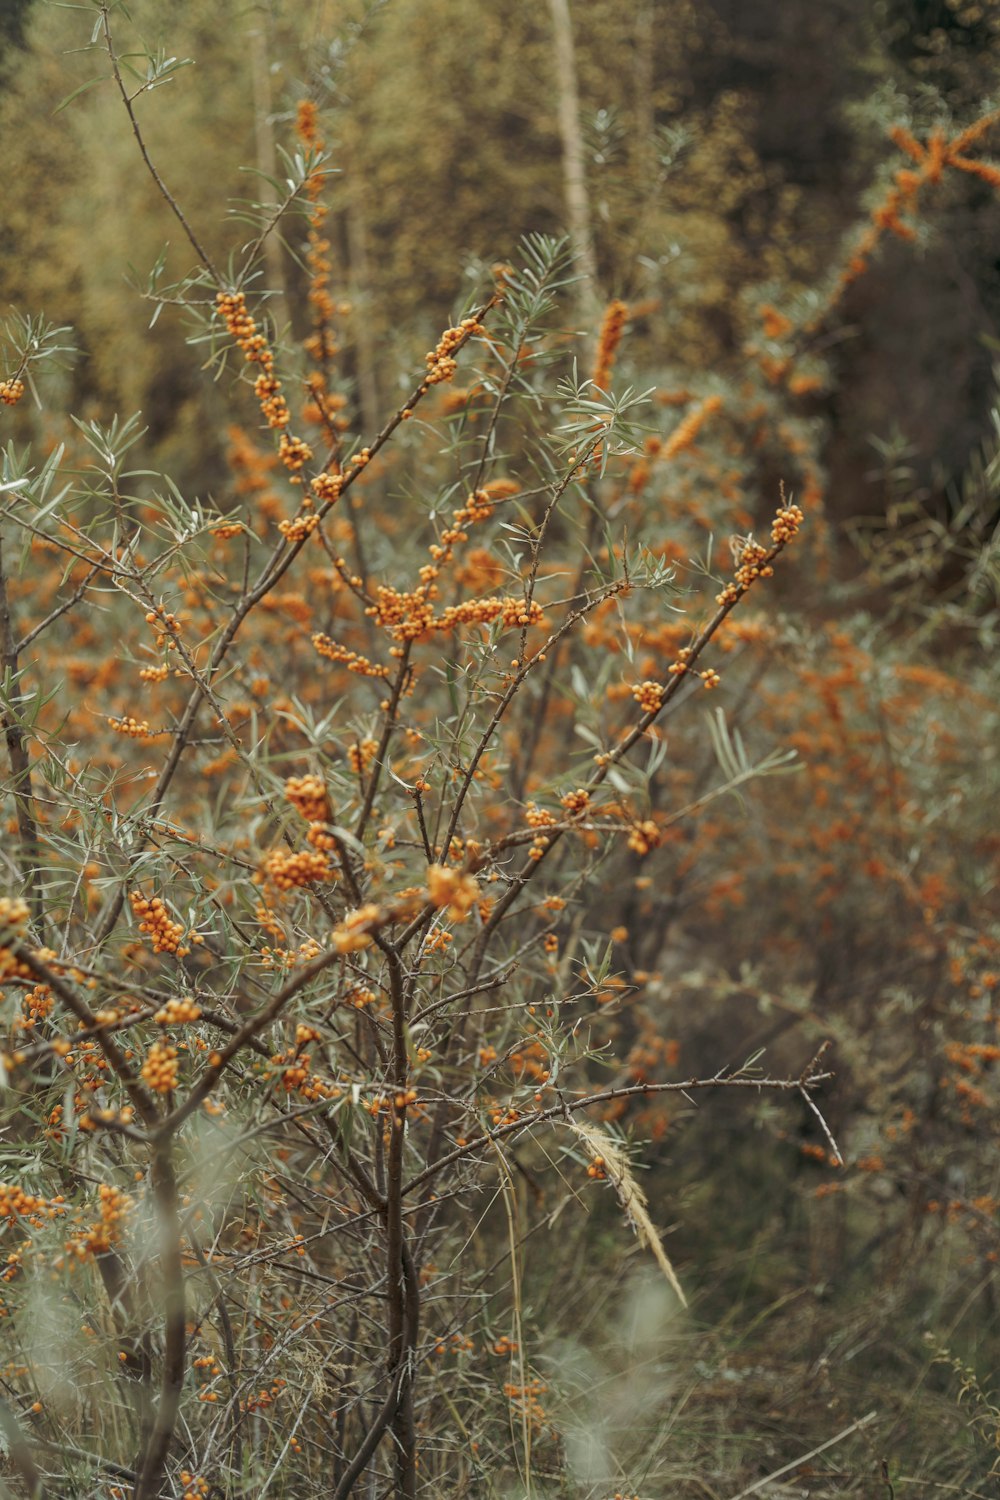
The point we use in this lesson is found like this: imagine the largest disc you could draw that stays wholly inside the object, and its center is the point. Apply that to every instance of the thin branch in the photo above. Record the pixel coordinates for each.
(604, 1096)
(175, 207)
(805, 1457)
(20, 764)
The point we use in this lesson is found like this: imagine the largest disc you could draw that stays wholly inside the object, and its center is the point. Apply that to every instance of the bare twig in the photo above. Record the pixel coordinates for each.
(805, 1457)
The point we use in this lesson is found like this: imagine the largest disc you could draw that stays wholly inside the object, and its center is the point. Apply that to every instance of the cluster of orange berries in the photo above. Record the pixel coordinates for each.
(612, 327)
(525, 1401)
(786, 523)
(752, 564)
(504, 1114)
(167, 628)
(684, 435)
(576, 802)
(648, 695)
(679, 667)
(441, 363)
(352, 932)
(115, 1209)
(362, 755)
(957, 1208)
(903, 197)
(644, 837)
(752, 558)
(598, 1169)
(156, 921)
(308, 795)
(321, 346)
(264, 1397)
(539, 818)
(294, 453)
(484, 611)
(155, 674)
(460, 1344)
(16, 1204)
(297, 1077)
(402, 1101)
(286, 870)
(133, 729)
(449, 888)
(505, 1345)
(529, 1061)
(774, 323)
(195, 1487)
(327, 487)
(160, 1068)
(478, 507)
(408, 616)
(307, 127)
(973, 1056)
(14, 912)
(11, 391)
(270, 922)
(352, 660)
(90, 1119)
(177, 1012)
(224, 530)
(36, 1005)
(305, 952)
(299, 528)
(15, 1260)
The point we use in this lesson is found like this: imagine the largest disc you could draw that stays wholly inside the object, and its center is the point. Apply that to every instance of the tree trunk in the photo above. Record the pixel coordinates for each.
(267, 160)
(574, 176)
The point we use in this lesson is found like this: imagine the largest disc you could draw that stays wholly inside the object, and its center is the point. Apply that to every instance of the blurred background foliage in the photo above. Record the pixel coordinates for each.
(727, 147)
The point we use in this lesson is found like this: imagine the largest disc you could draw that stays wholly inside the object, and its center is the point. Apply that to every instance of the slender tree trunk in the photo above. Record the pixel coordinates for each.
(574, 175)
(267, 160)
(29, 850)
(645, 114)
(152, 1462)
(366, 361)
(360, 292)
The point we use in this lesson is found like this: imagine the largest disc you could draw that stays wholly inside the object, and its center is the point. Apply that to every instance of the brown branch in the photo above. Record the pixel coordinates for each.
(138, 1094)
(175, 207)
(152, 1463)
(20, 764)
(274, 569)
(19, 1453)
(213, 1074)
(604, 1096)
(632, 737)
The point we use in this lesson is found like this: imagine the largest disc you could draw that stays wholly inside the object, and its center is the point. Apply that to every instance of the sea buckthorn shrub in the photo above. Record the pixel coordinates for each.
(376, 833)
